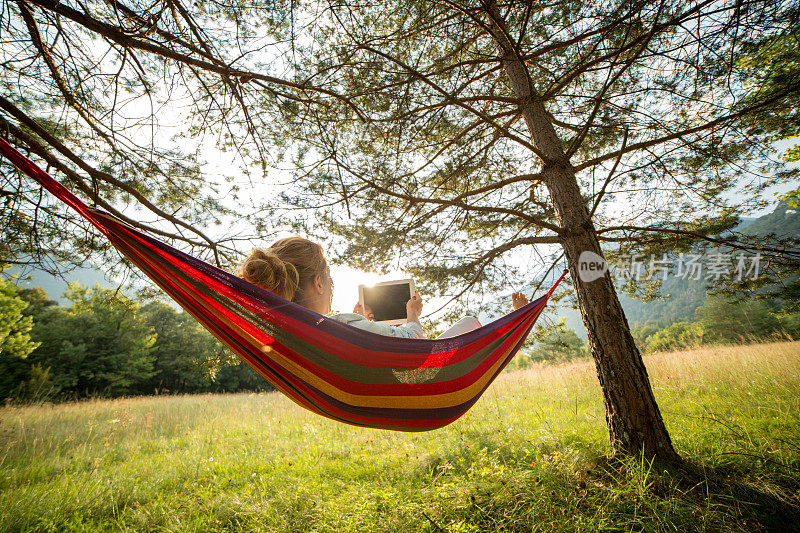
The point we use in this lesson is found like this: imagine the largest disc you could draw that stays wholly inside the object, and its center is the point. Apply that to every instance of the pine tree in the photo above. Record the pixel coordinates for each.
(448, 138)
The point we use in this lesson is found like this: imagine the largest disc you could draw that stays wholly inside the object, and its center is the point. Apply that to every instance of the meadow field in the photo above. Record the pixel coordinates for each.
(530, 456)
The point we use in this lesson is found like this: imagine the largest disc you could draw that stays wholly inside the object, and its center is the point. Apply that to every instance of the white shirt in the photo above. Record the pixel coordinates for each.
(411, 330)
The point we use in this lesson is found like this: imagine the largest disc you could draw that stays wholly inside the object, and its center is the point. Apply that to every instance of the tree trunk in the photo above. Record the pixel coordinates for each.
(632, 415)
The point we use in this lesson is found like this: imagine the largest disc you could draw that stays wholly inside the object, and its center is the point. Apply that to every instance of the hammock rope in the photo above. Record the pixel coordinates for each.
(332, 369)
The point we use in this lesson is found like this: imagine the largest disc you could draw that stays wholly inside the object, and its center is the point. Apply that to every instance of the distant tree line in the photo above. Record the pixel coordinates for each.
(107, 344)
(551, 344)
(722, 321)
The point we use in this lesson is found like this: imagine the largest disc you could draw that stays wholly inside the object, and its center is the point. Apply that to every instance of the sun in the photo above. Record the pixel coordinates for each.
(345, 285)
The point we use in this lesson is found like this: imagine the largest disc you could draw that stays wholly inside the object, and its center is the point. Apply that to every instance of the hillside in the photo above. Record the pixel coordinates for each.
(783, 221)
(55, 286)
(681, 297)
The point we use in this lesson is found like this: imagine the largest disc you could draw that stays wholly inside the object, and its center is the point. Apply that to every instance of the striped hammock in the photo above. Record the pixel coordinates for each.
(328, 367)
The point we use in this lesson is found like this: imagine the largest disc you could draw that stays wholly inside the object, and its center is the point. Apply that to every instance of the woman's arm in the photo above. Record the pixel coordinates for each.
(412, 330)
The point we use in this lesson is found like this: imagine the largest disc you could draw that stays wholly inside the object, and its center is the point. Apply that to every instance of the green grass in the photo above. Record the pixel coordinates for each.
(531, 455)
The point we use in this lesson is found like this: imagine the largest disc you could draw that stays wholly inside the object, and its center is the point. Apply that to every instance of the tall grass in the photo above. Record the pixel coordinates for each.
(531, 455)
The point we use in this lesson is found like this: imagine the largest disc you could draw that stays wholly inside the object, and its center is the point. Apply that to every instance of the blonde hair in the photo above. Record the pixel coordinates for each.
(286, 268)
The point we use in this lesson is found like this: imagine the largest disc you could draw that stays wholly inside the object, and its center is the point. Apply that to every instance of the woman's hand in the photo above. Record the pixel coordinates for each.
(414, 308)
(366, 313)
(518, 300)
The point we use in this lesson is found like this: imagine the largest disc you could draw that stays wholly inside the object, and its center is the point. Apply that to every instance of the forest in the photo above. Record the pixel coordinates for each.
(106, 344)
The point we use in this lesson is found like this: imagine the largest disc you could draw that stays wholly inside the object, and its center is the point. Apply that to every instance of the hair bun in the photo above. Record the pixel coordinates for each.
(269, 271)
(289, 268)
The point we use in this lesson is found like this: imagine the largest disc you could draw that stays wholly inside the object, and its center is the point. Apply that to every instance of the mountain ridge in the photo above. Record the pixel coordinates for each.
(681, 297)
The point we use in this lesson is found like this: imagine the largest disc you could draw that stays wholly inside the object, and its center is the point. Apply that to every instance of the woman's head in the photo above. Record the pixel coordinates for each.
(293, 268)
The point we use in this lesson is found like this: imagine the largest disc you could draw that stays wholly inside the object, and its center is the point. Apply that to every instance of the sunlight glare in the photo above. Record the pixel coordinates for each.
(346, 281)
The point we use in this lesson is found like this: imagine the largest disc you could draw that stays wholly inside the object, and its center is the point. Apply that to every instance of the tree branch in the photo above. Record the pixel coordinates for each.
(444, 202)
(610, 175)
(699, 236)
(129, 41)
(583, 67)
(789, 89)
(96, 174)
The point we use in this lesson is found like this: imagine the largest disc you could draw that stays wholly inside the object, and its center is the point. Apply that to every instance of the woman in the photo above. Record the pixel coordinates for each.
(295, 269)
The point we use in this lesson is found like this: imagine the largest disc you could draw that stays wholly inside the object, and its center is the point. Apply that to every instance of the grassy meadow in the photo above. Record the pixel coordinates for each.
(530, 456)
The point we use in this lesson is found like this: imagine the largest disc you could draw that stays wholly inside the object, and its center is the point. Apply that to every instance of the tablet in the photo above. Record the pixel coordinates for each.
(387, 300)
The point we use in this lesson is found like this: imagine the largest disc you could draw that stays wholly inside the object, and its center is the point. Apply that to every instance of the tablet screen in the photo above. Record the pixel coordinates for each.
(387, 300)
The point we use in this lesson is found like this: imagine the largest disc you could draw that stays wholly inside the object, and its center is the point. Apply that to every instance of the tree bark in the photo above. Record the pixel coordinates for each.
(634, 420)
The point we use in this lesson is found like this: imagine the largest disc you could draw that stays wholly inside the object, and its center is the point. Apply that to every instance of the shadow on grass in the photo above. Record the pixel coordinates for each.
(741, 497)
(569, 484)
(751, 496)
